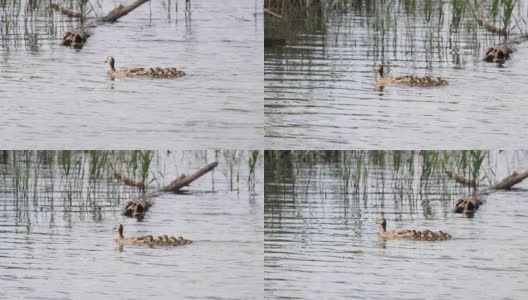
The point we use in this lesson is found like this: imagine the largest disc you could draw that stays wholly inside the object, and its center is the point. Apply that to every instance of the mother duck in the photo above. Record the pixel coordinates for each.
(409, 80)
(425, 235)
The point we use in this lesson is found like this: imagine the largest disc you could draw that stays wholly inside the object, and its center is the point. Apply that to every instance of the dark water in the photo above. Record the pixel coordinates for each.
(54, 248)
(56, 97)
(323, 244)
(320, 89)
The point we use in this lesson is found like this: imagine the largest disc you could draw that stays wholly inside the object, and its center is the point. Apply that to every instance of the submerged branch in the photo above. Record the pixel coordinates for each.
(272, 13)
(77, 38)
(493, 29)
(460, 179)
(183, 180)
(122, 11)
(511, 180)
(61, 9)
(129, 181)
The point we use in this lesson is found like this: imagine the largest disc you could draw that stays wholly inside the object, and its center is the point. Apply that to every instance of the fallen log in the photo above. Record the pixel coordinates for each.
(460, 179)
(493, 29)
(129, 181)
(61, 9)
(183, 180)
(271, 13)
(121, 11)
(511, 180)
(77, 38)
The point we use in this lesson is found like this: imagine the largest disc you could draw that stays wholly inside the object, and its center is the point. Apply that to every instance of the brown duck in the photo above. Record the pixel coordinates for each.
(137, 208)
(409, 80)
(150, 72)
(468, 205)
(149, 240)
(425, 235)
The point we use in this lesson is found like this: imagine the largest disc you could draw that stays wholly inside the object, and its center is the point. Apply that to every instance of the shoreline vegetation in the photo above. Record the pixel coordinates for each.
(412, 174)
(85, 15)
(506, 19)
(80, 173)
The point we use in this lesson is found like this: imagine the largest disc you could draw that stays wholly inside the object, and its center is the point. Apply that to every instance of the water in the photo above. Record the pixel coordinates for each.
(320, 90)
(54, 250)
(322, 244)
(60, 98)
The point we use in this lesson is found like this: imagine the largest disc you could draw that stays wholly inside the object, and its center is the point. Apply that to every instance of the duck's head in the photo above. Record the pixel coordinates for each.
(382, 222)
(378, 68)
(110, 61)
(119, 228)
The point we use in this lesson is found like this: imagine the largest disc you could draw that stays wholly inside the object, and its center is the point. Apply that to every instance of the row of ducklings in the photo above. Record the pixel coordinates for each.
(497, 55)
(425, 235)
(162, 240)
(409, 80)
(149, 72)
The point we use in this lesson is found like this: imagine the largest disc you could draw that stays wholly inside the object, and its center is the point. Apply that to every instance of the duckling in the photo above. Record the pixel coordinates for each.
(410, 234)
(173, 241)
(158, 240)
(184, 241)
(411, 80)
(157, 72)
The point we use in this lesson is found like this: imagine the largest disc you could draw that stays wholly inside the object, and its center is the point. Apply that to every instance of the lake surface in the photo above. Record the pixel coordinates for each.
(321, 93)
(321, 243)
(56, 248)
(57, 97)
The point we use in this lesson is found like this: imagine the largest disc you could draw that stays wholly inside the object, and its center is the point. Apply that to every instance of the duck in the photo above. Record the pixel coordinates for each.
(121, 240)
(410, 80)
(161, 240)
(150, 72)
(468, 205)
(499, 54)
(173, 241)
(137, 208)
(426, 235)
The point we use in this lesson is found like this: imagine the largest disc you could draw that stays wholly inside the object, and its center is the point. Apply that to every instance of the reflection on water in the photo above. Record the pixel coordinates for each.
(321, 239)
(57, 97)
(320, 89)
(59, 245)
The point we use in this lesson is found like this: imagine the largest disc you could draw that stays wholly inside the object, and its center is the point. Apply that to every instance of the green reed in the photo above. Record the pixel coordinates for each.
(507, 12)
(45, 175)
(365, 171)
(145, 160)
(477, 158)
(252, 163)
